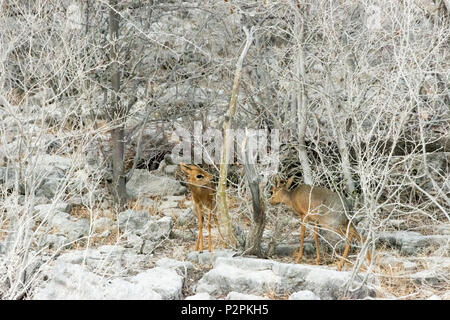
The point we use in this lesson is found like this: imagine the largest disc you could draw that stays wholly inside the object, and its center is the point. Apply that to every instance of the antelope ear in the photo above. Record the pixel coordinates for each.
(276, 180)
(289, 182)
(184, 167)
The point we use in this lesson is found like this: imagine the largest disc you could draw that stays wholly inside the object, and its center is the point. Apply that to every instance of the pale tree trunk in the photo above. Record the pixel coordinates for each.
(223, 215)
(253, 243)
(302, 103)
(117, 134)
(340, 137)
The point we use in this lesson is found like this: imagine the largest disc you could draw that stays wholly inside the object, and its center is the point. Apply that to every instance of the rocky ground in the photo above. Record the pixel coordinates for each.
(146, 252)
(61, 236)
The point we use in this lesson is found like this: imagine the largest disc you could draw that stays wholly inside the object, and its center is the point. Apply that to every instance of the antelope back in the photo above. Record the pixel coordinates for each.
(324, 206)
(327, 207)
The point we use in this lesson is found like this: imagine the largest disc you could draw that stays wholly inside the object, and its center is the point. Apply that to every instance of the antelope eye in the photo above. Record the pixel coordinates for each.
(199, 176)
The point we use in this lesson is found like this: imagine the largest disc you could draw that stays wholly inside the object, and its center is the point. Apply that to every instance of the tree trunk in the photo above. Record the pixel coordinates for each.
(117, 134)
(339, 134)
(223, 215)
(253, 243)
(302, 105)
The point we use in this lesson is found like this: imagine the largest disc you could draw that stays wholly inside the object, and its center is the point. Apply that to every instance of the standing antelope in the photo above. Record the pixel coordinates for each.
(322, 207)
(203, 193)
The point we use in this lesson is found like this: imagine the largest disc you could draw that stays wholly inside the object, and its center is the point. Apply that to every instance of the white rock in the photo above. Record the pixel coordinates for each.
(109, 259)
(146, 202)
(304, 295)
(242, 296)
(71, 281)
(165, 282)
(182, 267)
(157, 230)
(75, 200)
(121, 289)
(148, 247)
(207, 257)
(200, 296)
(168, 205)
(72, 227)
(135, 242)
(184, 235)
(131, 220)
(410, 242)
(55, 161)
(396, 223)
(170, 169)
(51, 169)
(173, 212)
(143, 183)
(139, 223)
(258, 276)
(61, 221)
(105, 234)
(174, 198)
(443, 228)
(430, 277)
(402, 262)
(54, 241)
(102, 224)
(78, 229)
(187, 218)
(46, 211)
(224, 278)
(409, 266)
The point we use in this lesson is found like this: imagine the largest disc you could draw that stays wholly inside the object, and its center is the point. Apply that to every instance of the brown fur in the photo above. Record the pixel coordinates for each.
(322, 208)
(203, 193)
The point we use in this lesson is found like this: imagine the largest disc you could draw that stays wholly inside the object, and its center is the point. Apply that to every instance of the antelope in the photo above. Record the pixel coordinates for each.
(203, 193)
(320, 206)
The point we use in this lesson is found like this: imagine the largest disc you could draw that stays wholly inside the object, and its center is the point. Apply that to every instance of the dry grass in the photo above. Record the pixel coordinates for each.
(395, 280)
(135, 205)
(81, 212)
(273, 295)
(96, 240)
(151, 206)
